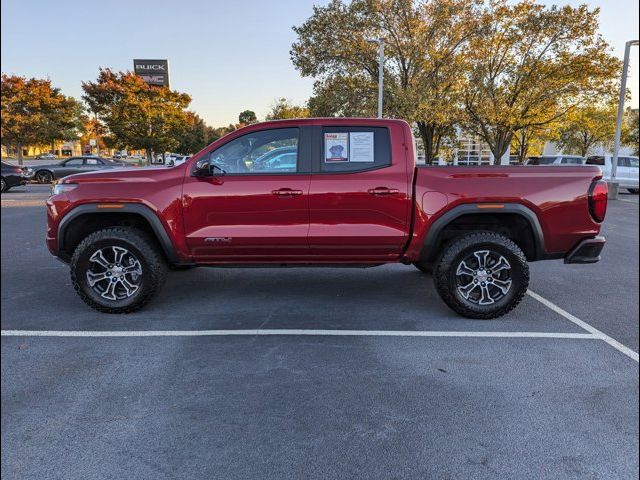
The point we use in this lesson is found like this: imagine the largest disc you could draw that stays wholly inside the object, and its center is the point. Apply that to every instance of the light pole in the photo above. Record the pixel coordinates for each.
(380, 44)
(613, 186)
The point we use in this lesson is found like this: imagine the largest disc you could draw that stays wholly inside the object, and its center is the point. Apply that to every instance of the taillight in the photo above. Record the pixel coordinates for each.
(598, 195)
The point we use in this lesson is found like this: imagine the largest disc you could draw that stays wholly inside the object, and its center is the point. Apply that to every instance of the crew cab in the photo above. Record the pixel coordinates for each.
(344, 192)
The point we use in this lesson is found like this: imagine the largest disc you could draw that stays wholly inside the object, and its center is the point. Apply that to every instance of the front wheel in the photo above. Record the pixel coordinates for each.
(482, 275)
(117, 270)
(3, 185)
(44, 176)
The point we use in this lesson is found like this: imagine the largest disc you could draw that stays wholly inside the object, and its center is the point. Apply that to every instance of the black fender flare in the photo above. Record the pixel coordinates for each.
(136, 208)
(429, 247)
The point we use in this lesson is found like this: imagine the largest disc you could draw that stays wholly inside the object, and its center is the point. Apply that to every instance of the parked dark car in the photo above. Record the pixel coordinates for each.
(55, 171)
(12, 176)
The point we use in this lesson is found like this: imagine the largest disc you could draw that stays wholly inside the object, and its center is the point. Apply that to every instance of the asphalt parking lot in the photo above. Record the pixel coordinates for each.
(373, 378)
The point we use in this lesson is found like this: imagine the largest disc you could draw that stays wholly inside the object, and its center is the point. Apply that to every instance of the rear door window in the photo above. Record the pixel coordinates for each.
(354, 149)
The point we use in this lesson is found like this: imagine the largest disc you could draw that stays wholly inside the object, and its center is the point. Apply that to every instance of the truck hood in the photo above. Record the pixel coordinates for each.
(125, 174)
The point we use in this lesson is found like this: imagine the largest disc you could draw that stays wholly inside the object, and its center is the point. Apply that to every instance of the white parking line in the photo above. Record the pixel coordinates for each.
(284, 331)
(584, 325)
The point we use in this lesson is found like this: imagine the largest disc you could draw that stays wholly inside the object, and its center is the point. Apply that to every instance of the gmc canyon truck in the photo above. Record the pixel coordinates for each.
(330, 192)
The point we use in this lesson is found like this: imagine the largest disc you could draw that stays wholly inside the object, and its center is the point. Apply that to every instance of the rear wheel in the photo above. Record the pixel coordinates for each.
(3, 185)
(633, 190)
(482, 275)
(117, 270)
(44, 176)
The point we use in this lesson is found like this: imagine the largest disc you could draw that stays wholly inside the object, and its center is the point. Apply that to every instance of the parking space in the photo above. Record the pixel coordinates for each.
(530, 395)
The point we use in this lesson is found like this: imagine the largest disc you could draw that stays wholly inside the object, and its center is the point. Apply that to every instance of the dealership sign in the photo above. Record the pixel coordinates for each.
(154, 72)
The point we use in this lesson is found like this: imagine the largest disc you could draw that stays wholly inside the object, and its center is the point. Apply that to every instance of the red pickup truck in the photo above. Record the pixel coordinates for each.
(333, 192)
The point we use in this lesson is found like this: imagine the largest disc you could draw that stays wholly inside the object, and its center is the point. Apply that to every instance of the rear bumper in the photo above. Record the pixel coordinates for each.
(587, 251)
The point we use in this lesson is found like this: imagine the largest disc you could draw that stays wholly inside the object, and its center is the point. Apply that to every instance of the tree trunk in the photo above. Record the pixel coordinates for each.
(501, 145)
(149, 153)
(430, 141)
(20, 154)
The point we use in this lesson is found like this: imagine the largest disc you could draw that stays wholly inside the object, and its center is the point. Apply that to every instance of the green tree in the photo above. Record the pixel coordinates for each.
(63, 120)
(247, 117)
(531, 64)
(283, 109)
(35, 113)
(425, 63)
(587, 126)
(137, 115)
(196, 136)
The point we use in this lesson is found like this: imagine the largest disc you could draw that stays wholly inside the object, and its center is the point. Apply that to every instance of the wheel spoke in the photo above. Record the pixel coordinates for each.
(98, 257)
(128, 286)
(96, 277)
(110, 292)
(464, 269)
(485, 298)
(501, 265)
(466, 290)
(118, 253)
(481, 256)
(503, 285)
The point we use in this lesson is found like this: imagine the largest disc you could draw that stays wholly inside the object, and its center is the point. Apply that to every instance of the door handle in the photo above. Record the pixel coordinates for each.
(383, 191)
(286, 192)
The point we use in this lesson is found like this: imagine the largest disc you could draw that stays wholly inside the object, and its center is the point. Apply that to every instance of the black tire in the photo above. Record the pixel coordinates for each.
(424, 267)
(141, 247)
(44, 176)
(633, 190)
(3, 185)
(446, 277)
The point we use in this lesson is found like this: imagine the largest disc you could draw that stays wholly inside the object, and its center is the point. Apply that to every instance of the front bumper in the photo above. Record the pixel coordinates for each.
(587, 251)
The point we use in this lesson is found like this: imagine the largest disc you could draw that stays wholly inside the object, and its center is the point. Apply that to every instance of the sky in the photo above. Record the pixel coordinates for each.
(228, 55)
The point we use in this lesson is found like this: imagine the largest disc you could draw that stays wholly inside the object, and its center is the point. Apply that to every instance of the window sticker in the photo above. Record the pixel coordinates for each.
(361, 147)
(336, 147)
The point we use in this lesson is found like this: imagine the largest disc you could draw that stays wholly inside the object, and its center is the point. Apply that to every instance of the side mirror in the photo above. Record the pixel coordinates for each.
(205, 168)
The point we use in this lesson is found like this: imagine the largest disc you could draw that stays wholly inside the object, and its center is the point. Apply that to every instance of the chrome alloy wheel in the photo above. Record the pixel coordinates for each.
(483, 277)
(114, 273)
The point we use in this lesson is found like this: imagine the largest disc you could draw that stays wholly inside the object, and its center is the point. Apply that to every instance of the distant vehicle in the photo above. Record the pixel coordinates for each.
(265, 159)
(87, 163)
(46, 156)
(175, 160)
(627, 173)
(13, 176)
(555, 160)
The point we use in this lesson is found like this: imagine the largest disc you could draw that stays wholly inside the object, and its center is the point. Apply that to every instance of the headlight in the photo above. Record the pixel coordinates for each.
(59, 188)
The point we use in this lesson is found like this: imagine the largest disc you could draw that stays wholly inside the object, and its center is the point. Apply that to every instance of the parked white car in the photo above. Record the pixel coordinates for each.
(555, 160)
(627, 174)
(175, 160)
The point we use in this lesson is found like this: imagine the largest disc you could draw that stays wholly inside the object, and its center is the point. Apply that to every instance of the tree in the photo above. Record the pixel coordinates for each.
(587, 126)
(424, 69)
(283, 109)
(531, 64)
(64, 119)
(197, 135)
(35, 113)
(531, 138)
(138, 115)
(247, 117)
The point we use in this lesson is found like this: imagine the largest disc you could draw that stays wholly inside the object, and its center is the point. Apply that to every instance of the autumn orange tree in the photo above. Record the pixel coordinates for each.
(34, 112)
(135, 114)
(424, 71)
(529, 65)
